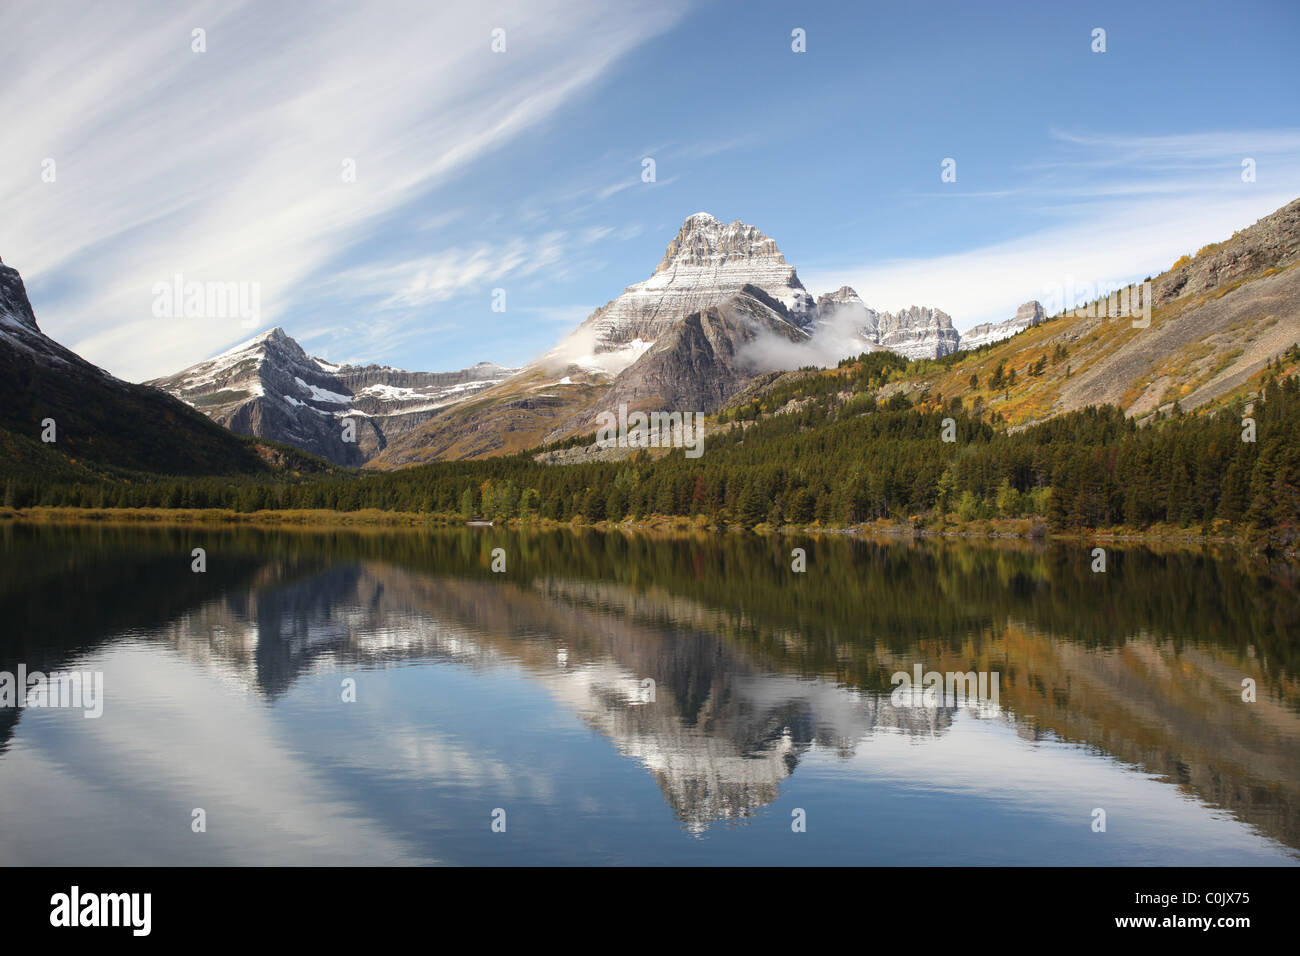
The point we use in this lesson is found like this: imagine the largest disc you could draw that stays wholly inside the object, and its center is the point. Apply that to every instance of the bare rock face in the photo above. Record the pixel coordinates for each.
(919, 332)
(705, 358)
(915, 332)
(1027, 316)
(1271, 243)
(268, 387)
(704, 264)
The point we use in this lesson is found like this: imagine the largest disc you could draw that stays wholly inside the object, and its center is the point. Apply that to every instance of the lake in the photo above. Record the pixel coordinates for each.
(369, 697)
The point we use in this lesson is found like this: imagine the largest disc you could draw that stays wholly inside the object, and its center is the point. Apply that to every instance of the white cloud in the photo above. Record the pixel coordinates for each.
(439, 276)
(227, 165)
(1123, 225)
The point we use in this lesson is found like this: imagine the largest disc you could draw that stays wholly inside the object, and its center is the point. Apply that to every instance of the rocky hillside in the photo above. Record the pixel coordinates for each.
(1220, 317)
(1271, 244)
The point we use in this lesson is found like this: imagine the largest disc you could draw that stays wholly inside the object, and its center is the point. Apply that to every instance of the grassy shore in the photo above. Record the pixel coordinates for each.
(1024, 529)
(369, 518)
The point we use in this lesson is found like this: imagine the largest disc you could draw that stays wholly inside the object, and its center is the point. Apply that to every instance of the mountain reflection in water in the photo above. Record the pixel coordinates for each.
(598, 662)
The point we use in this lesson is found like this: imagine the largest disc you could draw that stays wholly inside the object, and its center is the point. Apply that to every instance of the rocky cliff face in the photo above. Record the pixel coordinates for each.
(703, 359)
(270, 388)
(1027, 316)
(915, 332)
(704, 264)
(918, 332)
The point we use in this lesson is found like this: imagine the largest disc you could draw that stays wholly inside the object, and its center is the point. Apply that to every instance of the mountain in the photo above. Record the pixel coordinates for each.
(705, 358)
(722, 306)
(684, 339)
(268, 387)
(1026, 317)
(843, 315)
(704, 264)
(721, 313)
(915, 332)
(101, 422)
(918, 332)
(1221, 318)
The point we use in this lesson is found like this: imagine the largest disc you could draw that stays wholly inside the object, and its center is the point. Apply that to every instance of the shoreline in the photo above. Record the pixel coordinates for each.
(1030, 531)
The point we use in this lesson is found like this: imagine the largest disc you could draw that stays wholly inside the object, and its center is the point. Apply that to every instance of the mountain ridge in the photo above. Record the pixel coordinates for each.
(269, 387)
(737, 293)
(100, 422)
(1219, 319)
(721, 312)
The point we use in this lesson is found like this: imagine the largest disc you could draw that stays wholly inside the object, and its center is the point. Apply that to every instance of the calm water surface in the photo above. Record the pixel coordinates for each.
(629, 700)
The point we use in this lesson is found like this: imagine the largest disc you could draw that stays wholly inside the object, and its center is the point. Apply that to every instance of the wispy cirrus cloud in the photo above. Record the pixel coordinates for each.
(227, 165)
(1150, 200)
(449, 272)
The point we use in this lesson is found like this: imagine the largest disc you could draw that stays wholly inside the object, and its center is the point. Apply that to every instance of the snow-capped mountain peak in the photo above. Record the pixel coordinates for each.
(705, 264)
(705, 242)
(268, 386)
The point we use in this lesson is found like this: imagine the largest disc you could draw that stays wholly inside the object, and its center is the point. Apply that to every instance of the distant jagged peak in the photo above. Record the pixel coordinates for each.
(846, 323)
(1027, 316)
(846, 298)
(915, 315)
(276, 333)
(705, 264)
(1031, 313)
(844, 295)
(705, 241)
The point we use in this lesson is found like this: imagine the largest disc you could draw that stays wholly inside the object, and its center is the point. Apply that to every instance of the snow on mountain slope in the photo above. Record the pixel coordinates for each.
(702, 360)
(1026, 317)
(269, 387)
(96, 420)
(706, 263)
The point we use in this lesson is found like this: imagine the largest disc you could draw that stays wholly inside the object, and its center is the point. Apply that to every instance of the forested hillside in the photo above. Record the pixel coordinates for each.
(832, 462)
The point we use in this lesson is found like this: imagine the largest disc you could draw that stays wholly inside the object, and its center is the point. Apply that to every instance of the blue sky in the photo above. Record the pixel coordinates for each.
(521, 170)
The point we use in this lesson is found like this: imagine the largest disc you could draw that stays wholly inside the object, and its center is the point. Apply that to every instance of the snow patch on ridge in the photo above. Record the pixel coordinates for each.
(321, 395)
